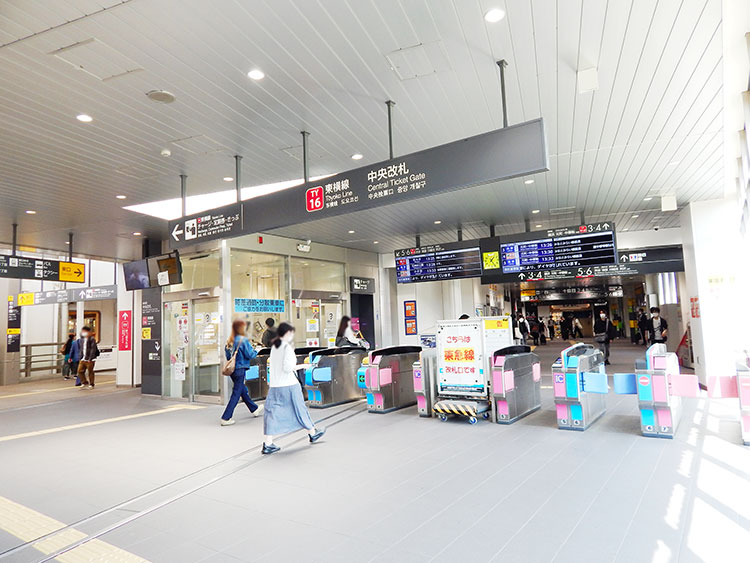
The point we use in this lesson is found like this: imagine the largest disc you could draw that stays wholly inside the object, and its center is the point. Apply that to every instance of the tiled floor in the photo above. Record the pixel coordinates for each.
(383, 487)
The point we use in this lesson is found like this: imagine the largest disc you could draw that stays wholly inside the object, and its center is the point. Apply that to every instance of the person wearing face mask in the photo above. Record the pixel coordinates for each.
(658, 329)
(87, 352)
(604, 332)
(285, 407)
(239, 346)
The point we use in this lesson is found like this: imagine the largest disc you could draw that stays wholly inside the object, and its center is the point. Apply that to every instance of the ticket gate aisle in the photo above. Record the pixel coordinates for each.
(387, 376)
(735, 386)
(423, 373)
(331, 378)
(256, 376)
(579, 386)
(516, 383)
(659, 385)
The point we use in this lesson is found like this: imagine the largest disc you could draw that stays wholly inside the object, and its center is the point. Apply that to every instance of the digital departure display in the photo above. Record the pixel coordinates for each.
(438, 262)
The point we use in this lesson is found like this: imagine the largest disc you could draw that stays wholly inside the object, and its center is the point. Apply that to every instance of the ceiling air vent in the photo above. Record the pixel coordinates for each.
(98, 59)
(161, 96)
(558, 211)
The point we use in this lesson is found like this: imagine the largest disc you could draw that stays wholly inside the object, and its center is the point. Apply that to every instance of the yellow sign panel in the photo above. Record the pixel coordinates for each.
(491, 260)
(25, 298)
(10, 299)
(146, 333)
(493, 324)
(72, 272)
(528, 293)
(14, 331)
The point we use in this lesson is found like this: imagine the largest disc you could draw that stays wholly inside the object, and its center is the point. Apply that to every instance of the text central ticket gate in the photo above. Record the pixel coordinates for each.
(516, 383)
(735, 386)
(579, 387)
(387, 377)
(331, 377)
(659, 385)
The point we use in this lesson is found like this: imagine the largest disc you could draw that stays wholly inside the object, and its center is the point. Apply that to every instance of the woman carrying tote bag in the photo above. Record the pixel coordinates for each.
(239, 353)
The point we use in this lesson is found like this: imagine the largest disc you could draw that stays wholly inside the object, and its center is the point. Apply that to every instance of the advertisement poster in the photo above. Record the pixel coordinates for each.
(460, 369)
(410, 326)
(313, 325)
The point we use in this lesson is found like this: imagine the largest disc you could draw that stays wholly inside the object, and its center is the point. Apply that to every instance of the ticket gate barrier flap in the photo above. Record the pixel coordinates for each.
(388, 376)
(735, 386)
(331, 377)
(256, 377)
(423, 372)
(516, 383)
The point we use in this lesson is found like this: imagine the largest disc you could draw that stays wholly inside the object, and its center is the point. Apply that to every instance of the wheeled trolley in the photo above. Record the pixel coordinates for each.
(579, 387)
(331, 377)
(387, 377)
(516, 383)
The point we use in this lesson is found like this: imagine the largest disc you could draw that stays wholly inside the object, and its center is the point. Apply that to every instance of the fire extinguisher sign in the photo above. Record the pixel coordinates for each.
(314, 199)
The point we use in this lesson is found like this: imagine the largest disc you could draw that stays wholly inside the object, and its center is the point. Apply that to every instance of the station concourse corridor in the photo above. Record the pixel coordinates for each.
(140, 479)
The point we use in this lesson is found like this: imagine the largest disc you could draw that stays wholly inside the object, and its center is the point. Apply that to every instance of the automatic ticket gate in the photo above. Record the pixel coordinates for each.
(387, 377)
(516, 383)
(579, 386)
(735, 386)
(331, 377)
(659, 385)
(256, 376)
(423, 373)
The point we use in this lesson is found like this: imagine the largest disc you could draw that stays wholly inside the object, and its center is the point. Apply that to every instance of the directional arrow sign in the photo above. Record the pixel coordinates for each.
(72, 272)
(157, 346)
(624, 258)
(521, 276)
(176, 232)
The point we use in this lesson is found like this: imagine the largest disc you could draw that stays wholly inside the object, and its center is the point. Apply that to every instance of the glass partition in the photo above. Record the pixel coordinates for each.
(198, 272)
(318, 287)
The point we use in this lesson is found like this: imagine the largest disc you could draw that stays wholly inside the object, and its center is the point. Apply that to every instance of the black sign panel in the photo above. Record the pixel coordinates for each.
(71, 295)
(151, 312)
(571, 293)
(13, 333)
(224, 222)
(513, 151)
(151, 348)
(18, 267)
(450, 261)
(361, 285)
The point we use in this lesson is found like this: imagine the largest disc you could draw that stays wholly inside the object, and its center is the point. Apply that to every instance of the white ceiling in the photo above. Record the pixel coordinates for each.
(328, 72)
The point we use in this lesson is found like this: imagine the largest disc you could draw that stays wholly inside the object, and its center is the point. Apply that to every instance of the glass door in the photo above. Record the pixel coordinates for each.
(176, 340)
(331, 313)
(207, 349)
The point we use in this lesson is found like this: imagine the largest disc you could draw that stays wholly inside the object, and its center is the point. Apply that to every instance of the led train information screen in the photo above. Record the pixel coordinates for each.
(541, 255)
(438, 262)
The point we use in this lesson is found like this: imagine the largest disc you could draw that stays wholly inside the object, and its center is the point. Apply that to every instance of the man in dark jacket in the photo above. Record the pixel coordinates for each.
(604, 333)
(657, 330)
(643, 326)
(269, 334)
(88, 352)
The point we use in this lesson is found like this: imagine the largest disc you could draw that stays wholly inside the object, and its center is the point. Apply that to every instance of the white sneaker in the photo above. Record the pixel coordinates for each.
(258, 411)
(227, 422)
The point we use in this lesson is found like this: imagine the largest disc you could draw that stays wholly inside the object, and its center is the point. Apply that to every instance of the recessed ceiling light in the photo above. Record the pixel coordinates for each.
(535, 211)
(625, 229)
(494, 15)
(647, 198)
(538, 226)
(438, 222)
(137, 234)
(636, 216)
(121, 196)
(357, 156)
(30, 212)
(374, 242)
(228, 178)
(256, 74)
(84, 118)
(527, 182)
(674, 163)
(351, 232)
(67, 242)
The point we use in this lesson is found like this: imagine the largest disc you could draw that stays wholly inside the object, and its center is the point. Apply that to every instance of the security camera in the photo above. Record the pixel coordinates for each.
(656, 228)
(308, 242)
(166, 152)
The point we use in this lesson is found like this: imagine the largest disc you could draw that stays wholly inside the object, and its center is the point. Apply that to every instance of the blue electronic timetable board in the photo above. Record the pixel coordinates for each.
(449, 261)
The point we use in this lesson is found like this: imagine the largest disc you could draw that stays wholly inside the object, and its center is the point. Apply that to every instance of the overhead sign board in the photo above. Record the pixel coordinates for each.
(68, 295)
(449, 261)
(513, 151)
(224, 222)
(13, 331)
(19, 267)
(245, 305)
(571, 293)
(365, 286)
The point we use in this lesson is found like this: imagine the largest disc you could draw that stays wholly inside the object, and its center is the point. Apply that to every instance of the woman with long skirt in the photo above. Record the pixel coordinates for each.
(285, 409)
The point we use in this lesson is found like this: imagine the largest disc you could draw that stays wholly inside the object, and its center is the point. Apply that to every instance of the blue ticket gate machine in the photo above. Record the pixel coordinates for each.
(660, 387)
(516, 383)
(256, 376)
(387, 377)
(579, 385)
(331, 377)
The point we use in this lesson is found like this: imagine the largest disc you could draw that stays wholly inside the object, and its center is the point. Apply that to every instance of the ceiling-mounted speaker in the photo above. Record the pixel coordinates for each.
(161, 96)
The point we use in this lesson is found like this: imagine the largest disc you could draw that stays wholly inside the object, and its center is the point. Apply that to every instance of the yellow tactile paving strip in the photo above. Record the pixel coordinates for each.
(27, 524)
(96, 422)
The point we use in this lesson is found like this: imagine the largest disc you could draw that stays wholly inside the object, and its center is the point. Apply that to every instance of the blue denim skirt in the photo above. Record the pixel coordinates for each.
(285, 411)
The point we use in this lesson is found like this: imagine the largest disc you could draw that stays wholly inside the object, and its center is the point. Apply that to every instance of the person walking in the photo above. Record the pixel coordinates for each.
(345, 335)
(269, 334)
(542, 331)
(88, 352)
(643, 321)
(658, 327)
(239, 346)
(65, 351)
(523, 329)
(551, 328)
(285, 408)
(566, 327)
(604, 332)
(577, 328)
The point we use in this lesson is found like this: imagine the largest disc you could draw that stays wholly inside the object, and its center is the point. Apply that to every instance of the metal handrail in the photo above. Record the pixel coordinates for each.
(53, 361)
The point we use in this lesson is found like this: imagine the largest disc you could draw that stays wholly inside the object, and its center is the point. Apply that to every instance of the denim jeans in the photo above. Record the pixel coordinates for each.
(239, 391)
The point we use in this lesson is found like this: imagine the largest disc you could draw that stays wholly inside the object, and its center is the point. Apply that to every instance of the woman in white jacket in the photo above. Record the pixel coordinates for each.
(285, 409)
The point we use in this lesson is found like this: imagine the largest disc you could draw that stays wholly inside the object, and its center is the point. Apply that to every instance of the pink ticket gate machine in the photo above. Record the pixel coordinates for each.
(580, 384)
(735, 386)
(660, 387)
(387, 378)
(516, 383)
(331, 378)
(423, 373)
